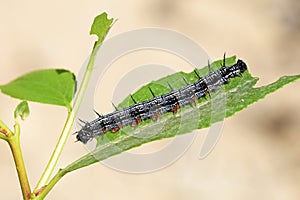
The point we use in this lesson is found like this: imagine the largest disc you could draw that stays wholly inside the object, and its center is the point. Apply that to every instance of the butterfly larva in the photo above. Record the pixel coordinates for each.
(159, 105)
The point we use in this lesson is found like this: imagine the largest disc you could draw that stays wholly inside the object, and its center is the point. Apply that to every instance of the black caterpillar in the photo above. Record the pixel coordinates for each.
(158, 105)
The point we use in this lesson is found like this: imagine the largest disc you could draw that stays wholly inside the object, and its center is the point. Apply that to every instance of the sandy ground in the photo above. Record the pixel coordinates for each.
(257, 156)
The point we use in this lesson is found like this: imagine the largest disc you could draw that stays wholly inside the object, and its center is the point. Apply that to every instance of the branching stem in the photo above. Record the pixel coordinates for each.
(68, 125)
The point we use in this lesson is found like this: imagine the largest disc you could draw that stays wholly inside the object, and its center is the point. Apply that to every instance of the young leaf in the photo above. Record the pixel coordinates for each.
(22, 110)
(50, 86)
(240, 93)
(101, 26)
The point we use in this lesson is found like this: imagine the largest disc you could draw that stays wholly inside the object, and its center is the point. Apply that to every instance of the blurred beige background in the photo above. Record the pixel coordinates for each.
(257, 156)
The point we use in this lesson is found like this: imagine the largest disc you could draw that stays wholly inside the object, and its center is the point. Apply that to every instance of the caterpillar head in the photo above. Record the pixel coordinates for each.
(242, 65)
(84, 135)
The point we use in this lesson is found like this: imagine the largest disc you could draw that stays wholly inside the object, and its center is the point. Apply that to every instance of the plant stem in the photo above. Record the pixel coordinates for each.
(56, 178)
(14, 143)
(100, 27)
(57, 151)
(51, 184)
(70, 120)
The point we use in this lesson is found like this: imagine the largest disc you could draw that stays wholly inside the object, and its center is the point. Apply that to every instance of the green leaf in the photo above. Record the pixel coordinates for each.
(101, 26)
(240, 93)
(50, 86)
(22, 110)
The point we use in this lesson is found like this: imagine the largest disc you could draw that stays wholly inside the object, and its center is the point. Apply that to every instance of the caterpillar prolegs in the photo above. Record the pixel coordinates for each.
(159, 105)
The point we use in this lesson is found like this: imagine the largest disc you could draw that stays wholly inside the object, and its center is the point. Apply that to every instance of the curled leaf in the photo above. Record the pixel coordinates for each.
(22, 110)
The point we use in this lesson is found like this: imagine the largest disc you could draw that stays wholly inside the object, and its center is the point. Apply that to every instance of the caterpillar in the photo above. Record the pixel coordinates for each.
(159, 105)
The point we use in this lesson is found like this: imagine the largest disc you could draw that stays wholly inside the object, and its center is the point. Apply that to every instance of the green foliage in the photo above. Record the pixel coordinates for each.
(50, 86)
(240, 93)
